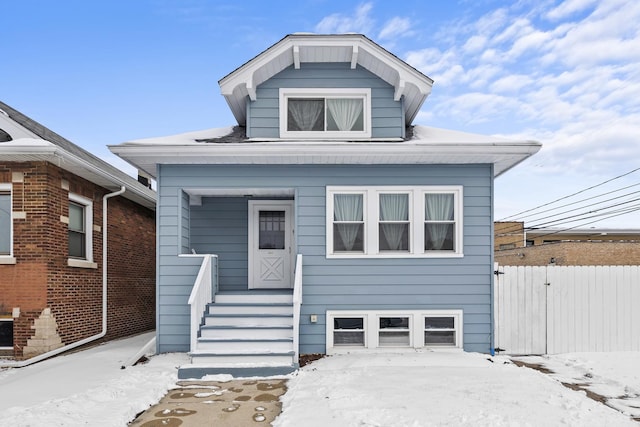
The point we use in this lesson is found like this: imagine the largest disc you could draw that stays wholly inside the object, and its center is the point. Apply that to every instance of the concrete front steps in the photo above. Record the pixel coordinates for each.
(245, 334)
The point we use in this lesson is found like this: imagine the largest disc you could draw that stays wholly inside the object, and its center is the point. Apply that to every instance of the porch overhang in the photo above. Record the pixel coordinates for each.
(196, 194)
(503, 155)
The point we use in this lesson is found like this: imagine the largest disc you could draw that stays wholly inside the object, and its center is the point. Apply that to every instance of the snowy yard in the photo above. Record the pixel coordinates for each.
(411, 389)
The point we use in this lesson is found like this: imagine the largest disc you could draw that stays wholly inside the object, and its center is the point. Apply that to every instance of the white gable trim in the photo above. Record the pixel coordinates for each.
(355, 49)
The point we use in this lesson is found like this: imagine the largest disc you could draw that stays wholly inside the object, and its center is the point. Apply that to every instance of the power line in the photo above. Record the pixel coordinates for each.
(570, 195)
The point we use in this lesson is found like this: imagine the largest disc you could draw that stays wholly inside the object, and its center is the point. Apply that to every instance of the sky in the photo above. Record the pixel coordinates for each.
(564, 73)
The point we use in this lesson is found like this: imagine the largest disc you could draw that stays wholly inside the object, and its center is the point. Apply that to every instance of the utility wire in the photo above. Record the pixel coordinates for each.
(584, 200)
(570, 195)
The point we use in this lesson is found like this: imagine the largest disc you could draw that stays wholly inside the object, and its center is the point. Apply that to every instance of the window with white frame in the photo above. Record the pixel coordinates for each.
(80, 228)
(6, 223)
(349, 331)
(394, 331)
(440, 330)
(325, 113)
(390, 221)
(376, 330)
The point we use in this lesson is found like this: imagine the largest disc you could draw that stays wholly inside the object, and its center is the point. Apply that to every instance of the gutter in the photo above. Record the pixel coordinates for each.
(41, 357)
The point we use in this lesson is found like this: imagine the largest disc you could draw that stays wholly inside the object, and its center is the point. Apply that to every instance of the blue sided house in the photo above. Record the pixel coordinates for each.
(323, 221)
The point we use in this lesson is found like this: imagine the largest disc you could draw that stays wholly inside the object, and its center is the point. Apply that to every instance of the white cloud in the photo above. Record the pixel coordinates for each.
(360, 22)
(569, 7)
(475, 44)
(395, 27)
(511, 84)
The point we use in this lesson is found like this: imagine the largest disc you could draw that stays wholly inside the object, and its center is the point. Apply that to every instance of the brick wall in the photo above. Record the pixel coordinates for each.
(573, 253)
(41, 277)
(131, 268)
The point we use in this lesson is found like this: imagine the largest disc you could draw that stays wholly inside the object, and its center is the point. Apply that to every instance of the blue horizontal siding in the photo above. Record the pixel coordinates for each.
(386, 114)
(219, 226)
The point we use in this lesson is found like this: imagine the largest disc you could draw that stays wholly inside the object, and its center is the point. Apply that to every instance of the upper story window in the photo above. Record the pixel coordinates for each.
(80, 231)
(325, 113)
(6, 223)
(394, 221)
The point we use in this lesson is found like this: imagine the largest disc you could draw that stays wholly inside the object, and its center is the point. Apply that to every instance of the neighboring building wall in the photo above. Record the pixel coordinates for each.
(131, 268)
(386, 114)
(339, 284)
(509, 234)
(573, 253)
(41, 278)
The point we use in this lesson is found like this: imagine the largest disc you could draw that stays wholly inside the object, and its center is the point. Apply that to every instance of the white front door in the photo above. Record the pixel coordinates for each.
(270, 244)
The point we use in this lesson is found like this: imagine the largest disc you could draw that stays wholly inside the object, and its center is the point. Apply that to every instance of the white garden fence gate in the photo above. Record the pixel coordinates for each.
(562, 309)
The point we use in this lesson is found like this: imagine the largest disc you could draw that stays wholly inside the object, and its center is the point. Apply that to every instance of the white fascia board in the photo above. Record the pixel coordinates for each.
(503, 155)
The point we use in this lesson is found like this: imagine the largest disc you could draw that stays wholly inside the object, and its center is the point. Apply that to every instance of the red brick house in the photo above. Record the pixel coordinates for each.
(61, 210)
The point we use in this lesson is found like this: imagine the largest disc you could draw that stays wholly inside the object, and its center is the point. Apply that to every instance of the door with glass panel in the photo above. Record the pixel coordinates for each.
(270, 244)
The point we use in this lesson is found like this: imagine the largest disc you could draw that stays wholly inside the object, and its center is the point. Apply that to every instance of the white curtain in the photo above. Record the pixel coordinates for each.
(438, 207)
(394, 207)
(345, 112)
(347, 207)
(305, 113)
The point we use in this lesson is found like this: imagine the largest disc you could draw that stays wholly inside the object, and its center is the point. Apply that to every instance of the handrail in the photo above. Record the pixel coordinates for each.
(204, 289)
(297, 301)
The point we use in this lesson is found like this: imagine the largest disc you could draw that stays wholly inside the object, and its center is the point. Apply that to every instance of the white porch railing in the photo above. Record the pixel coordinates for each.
(297, 301)
(203, 292)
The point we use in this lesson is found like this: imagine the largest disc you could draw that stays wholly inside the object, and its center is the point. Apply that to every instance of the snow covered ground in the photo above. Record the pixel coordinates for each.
(87, 388)
(614, 376)
(410, 390)
(436, 389)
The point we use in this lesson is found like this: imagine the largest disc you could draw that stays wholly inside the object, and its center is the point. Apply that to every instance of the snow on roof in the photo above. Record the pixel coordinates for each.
(429, 134)
(422, 134)
(185, 138)
(27, 142)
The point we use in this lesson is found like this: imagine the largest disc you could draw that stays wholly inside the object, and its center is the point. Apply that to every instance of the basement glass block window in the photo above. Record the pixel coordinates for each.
(394, 332)
(439, 331)
(348, 331)
(6, 333)
(272, 230)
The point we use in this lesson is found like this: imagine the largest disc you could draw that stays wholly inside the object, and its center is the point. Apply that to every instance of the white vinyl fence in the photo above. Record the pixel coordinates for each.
(563, 309)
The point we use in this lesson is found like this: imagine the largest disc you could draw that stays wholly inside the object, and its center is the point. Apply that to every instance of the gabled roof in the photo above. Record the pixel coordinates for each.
(355, 49)
(427, 146)
(31, 141)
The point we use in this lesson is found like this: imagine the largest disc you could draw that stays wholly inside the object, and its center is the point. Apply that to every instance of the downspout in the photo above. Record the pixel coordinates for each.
(43, 356)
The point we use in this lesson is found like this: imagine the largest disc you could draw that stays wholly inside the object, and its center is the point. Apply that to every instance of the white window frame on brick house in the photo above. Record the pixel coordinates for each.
(369, 244)
(87, 260)
(7, 257)
(325, 94)
(373, 329)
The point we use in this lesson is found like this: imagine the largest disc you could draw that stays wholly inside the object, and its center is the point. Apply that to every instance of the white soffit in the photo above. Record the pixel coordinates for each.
(503, 156)
(355, 49)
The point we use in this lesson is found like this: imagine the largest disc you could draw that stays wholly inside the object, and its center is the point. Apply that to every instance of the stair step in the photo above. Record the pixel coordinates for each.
(243, 359)
(198, 371)
(221, 346)
(250, 308)
(243, 320)
(254, 297)
(237, 332)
